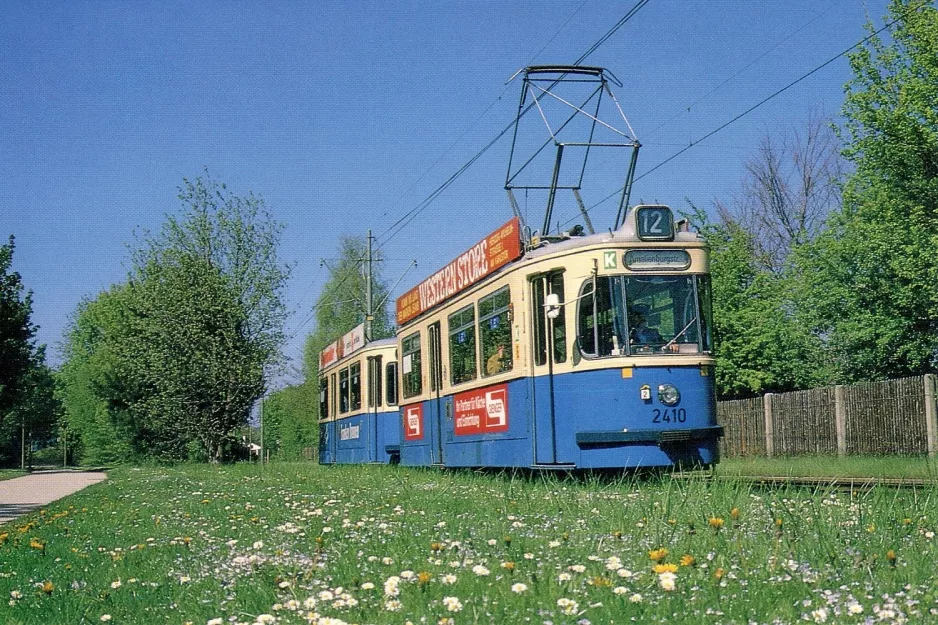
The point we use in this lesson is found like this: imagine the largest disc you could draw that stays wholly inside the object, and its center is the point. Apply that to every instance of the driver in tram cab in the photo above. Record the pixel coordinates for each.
(641, 333)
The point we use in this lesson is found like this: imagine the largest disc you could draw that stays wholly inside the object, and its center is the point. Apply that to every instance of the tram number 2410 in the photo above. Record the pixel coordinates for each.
(669, 415)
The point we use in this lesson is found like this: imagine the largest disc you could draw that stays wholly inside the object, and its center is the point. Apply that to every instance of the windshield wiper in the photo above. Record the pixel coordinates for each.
(678, 335)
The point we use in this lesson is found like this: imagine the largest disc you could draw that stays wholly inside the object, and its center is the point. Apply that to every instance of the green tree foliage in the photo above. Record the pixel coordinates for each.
(169, 364)
(759, 343)
(872, 277)
(290, 426)
(35, 416)
(19, 355)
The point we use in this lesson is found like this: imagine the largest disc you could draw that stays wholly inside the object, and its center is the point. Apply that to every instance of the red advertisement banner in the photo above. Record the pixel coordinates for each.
(481, 411)
(413, 422)
(351, 341)
(492, 253)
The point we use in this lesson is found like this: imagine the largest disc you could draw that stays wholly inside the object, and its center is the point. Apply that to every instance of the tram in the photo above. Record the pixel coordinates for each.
(573, 350)
(358, 414)
(590, 352)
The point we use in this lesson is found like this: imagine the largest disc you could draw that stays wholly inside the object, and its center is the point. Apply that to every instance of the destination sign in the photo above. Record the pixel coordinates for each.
(488, 255)
(646, 260)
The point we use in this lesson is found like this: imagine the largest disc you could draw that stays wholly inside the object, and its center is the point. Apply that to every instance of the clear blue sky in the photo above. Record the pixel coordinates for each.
(344, 115)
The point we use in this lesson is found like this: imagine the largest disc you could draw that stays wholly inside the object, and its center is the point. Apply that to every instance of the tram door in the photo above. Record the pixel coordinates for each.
(436, 386)
(335, 421)
(549, 344)
(374, 403)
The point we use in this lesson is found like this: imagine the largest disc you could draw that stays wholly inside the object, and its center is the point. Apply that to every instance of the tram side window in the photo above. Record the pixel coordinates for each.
(390, 383)
(323, 398)
(495, 332)
(462, 345)
(412, 380)
(343, 390)
(355, 386)
(706, 312)
(559, 324)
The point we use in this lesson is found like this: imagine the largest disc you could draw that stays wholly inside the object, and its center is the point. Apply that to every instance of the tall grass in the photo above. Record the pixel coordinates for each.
(893, 467)
(298, 543)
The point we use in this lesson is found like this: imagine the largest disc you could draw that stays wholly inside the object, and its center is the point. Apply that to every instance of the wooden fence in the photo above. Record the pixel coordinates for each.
(890, 417)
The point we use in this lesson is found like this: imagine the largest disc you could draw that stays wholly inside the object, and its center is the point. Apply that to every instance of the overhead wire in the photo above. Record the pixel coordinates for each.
(749, 110)
(413, 213)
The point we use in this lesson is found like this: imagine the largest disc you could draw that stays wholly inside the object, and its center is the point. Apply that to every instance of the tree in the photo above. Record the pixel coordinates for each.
(792, 183)
(176, 357)
(760, 344)
(873, 276)
(19, 354)
(341, 305)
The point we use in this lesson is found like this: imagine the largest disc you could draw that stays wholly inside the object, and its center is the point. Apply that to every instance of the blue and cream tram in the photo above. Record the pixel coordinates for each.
(587, 352)
(359, 419)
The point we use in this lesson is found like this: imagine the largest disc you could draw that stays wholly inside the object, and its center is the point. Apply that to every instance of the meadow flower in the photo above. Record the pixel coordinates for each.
(265, 618)
(480, 570)
(368, 586)
(185, 579)
(564, 577)
(715, 522)
(453, 604)
(636, 598)
(658, 554)
(620, 590)
(508, 566)
(519, 588)
(625, 573)
(734, 514)
(666, 580)
(448, 580)
(391, 586)
(567, 606)
(819, 615)
(576, 568)
(408, 575)
(854, 608)
(688, 560)
(215, 621)
(553, 544)
(326, 595)
(116, 584)
(492, 542)
(665, 568)
(105, 618)
(258, 544)
(47, 587)
(613, 563)
(423, 578)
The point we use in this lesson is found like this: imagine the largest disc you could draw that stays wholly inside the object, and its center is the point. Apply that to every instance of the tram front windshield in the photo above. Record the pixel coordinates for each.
(635, 315)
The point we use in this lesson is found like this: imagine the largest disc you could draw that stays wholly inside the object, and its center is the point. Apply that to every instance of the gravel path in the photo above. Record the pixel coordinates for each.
(30, 492)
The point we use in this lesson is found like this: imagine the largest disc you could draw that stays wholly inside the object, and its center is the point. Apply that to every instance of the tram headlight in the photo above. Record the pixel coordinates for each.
(668, 394)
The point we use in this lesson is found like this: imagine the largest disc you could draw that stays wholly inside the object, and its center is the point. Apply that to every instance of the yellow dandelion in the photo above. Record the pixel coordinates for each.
(600, 582)
(423, 578)
(47, 587)
(665, 568)
(891, 557)
(734, 513)
(617, 534)
(688, 560)
(715, 522)
(719, 573)
(35, 543)
(3, 537)
(658, 555)
(509, 566)
(436, 547)
(778, 523)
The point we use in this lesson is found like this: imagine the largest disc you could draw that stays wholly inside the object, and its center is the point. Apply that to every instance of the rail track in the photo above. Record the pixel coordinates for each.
(826, 483)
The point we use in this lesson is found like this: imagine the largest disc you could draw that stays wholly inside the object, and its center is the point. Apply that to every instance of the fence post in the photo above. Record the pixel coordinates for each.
(769, 426)
(931, 422)
(840, 421)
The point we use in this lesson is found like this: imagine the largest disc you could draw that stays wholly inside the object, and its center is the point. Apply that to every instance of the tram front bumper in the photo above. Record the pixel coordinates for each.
(646, 437)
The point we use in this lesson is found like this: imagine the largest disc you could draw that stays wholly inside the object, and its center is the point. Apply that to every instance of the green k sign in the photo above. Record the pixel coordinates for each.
(609, 260)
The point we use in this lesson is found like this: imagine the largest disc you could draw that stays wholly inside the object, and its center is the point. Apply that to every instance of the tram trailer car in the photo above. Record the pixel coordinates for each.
(359, 418)
(586, 352)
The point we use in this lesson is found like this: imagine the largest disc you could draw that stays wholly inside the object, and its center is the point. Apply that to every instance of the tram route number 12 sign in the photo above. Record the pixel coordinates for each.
(481, 411)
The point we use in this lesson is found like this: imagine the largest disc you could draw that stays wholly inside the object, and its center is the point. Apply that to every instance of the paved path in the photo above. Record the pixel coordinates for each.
(30, 492)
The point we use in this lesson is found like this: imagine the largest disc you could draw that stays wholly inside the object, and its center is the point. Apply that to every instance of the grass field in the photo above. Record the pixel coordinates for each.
(898, 467)
(300, 543)
(9, 474)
